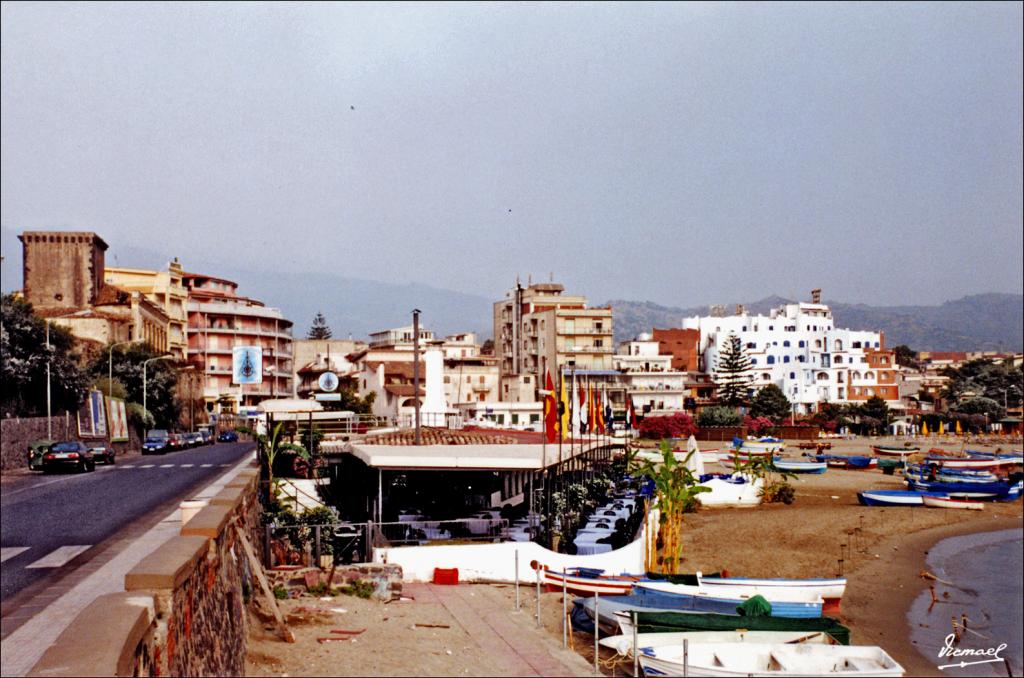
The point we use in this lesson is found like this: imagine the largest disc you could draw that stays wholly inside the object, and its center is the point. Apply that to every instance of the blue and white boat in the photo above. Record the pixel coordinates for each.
(797, 466)
(894, 497)
(725, 599)
(1000, 490)
(831, 590)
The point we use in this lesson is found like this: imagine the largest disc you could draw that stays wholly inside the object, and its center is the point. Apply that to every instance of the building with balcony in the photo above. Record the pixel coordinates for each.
(538, 329)
(798, 348)
(313, 357)
(166, 289)
(219, 320)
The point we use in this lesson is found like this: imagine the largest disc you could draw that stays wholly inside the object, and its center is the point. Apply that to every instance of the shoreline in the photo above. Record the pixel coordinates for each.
(897, 580)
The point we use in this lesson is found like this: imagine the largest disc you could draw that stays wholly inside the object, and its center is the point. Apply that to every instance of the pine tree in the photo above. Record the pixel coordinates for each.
(319, 329)
(732, 372)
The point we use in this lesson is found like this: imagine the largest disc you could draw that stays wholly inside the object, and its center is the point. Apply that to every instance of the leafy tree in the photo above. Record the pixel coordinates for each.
(488, 347)
(906, 356)
(675, 426)
(732, 372)
(875, 408)
(770, 402)
(758, 425)
(987, 378)
(351, 402)
(24, 358)
(983, 406)
(161, 380)
(319, 329)
(718, 416)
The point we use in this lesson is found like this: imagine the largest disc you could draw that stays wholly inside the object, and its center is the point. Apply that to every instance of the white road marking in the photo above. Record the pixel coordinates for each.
(147, 466)
(9, 552)
(187, 465)
(205, 465)
(59, 557)
(224, 465)
(166, 465)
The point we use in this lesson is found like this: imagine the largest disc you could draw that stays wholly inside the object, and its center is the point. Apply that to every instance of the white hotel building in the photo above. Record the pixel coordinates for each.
(798, 348)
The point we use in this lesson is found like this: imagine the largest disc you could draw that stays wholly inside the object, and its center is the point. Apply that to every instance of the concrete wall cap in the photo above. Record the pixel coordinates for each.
(168, 565)
(209, 522)
(102, 639)
(229, 496)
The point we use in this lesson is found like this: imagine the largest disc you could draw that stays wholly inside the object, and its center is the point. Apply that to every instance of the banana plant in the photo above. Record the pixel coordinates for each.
(676, 489)
(270, 446)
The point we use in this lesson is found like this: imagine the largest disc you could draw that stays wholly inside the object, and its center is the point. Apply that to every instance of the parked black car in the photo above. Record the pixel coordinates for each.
(228, 437)
(104, 453)
(68, 454)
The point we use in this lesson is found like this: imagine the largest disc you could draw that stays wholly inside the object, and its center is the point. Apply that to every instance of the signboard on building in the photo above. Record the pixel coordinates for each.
(247, 365)
(117, 420)
(327, 396)
(92, 417)
(328, 381)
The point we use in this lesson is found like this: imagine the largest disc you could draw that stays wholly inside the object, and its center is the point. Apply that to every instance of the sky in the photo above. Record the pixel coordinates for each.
(677, 153)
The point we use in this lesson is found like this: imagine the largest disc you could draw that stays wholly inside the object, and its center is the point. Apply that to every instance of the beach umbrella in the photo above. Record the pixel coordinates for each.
(924, 428)
(942, 428)
(959, 431)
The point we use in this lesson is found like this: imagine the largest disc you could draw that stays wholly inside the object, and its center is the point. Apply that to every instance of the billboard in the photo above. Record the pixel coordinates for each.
(117, 419)
(247, 365)
(92, 416)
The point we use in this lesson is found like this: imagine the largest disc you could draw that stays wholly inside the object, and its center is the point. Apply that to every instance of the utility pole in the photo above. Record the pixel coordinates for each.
(416, 369)
(49, 420)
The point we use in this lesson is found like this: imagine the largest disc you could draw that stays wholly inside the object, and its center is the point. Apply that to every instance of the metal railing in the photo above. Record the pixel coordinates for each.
(323, 545)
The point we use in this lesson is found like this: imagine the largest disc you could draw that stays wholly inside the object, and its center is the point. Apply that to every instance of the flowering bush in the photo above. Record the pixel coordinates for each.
(675, 426)
(758, 425)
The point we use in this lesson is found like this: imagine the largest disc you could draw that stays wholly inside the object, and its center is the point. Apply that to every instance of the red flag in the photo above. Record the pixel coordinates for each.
(599, 412)
(631, 411)
(550, 410)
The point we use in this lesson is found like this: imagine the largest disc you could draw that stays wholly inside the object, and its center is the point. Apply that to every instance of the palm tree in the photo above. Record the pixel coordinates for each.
(270, 446)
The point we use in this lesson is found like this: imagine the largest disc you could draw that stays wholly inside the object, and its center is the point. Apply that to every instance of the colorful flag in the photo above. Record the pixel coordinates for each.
(630, 412)
(550, 410)
(599, 412)
(591, 417)
(582, 416)
(607, 410)
(563, 406)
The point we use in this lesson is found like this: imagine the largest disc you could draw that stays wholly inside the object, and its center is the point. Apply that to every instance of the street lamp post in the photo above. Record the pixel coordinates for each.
(110, 367)
(166, 356)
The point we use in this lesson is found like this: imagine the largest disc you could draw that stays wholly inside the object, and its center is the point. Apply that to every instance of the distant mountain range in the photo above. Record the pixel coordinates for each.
(980, 322)
(352, 306)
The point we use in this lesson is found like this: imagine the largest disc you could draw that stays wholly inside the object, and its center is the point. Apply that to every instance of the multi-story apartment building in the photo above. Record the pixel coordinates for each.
(650, 377)
(218, 320)
(64, 282)
(539, 329)
(167, 290)
(798, 348)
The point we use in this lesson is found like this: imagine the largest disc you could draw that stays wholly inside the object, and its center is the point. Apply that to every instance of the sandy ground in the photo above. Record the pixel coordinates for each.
(823, 533)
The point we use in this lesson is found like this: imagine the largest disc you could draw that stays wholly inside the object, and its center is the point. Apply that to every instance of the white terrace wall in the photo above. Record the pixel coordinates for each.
(497, 562)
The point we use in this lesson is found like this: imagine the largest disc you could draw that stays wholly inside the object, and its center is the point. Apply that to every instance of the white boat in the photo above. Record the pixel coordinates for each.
(768, 659)
(831, 590)
(773, 594)
(623, 644)
(950, 502)
(737, 490)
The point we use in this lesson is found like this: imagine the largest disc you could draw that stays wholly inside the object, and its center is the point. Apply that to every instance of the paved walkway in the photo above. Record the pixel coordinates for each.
(509, 640)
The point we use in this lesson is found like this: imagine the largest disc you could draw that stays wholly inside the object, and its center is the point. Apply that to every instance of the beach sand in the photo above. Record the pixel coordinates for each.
(883, 552)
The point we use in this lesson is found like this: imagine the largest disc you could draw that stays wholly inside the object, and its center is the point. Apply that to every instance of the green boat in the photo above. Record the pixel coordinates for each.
(664, 622)
(889, 466)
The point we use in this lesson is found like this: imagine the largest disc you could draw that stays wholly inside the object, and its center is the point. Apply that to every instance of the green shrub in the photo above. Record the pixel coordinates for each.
(359, 588)
(718, 416)
(280, 592)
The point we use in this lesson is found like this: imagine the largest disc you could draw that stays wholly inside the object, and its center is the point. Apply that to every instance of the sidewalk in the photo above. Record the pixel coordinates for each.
(35, 625)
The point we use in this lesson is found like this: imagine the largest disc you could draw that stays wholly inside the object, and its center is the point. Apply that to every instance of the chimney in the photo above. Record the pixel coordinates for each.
(816, 296)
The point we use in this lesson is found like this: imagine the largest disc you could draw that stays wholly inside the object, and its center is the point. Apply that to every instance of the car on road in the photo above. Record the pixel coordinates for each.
(157, 441)
(228, 437)
(36, 450)
(176, 441)
(68, 454)
(104, 453)
(206, 436)
(193, 439)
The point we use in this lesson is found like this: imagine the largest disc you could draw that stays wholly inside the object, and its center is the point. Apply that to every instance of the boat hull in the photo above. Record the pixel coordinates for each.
(588, 586)
(950, 503)
(892, 497)
(829, 590)
(700, 600)
(663, 622)
(747, 659)
(813, 467)
(894, 451)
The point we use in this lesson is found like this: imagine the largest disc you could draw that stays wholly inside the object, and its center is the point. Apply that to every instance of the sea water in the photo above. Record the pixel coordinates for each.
(985, 571)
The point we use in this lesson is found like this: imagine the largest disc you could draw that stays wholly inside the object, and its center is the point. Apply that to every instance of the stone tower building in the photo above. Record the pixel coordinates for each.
(62, 269)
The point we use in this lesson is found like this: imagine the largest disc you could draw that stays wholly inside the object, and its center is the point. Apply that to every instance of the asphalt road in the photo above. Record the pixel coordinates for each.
(48, 519)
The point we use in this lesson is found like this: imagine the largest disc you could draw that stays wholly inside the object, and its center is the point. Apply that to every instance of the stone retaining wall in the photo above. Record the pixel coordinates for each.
(386, 578)
(183, 610)
(16, 433)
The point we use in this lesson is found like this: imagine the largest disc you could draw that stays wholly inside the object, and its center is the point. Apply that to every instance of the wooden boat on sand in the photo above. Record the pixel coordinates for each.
(950, 502)
(761, 659)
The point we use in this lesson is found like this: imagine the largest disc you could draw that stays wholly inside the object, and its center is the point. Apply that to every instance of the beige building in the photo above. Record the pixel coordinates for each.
(167, 290)
(539, 329)
(313, 357)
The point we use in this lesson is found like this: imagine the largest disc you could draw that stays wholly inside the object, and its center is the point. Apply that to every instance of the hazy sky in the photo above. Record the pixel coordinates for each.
(684, 154)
